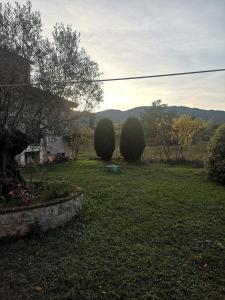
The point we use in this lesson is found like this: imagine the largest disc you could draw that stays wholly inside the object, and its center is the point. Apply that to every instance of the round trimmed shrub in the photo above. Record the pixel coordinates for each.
(215, 163)
(132, 140)
(104, 139)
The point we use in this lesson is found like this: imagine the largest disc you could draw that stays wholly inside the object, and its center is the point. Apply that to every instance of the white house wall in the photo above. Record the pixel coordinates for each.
(47, 150)
(58, 145)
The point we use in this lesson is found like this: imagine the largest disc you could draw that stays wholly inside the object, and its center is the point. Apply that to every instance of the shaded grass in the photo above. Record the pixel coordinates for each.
(153, 232)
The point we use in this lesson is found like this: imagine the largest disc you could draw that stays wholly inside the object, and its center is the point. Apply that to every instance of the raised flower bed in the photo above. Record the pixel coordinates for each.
(21, 220)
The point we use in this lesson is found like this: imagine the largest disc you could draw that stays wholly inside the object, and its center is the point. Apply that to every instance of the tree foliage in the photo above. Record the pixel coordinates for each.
(132, 140)
(63, 60)
(57, 61)
(80, 136)
(166, 134)
(168, 130)
(185, 129)
(157, 124)
(20, 29)
(150, 120)
(104, 139)
(215, 162)
(45, 108)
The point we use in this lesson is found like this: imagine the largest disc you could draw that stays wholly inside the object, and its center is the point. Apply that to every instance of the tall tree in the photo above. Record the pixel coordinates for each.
(62, 61)
(80, 136)
(166, 134)
(157, 124)
(150, 120)
(27, 113)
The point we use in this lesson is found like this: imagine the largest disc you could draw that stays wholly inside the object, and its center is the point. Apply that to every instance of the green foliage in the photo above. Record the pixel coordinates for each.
(55, 188)
(157, 123)
(208, 132)
(104, 139)
(215, 162)
(150, 119)
(132, 140)
(165, 134)
(167, 129)
(60, 58)
(46, 188)
(79, 136)
(185, 129)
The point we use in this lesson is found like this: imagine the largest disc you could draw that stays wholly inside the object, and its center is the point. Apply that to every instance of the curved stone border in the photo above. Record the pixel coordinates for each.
(19, 221)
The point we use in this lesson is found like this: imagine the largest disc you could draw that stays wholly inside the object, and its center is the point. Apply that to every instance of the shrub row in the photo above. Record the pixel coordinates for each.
(132, 144)
(132, 140)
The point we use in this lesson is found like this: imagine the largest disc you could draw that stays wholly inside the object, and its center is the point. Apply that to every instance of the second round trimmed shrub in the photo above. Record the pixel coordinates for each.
(132, 140)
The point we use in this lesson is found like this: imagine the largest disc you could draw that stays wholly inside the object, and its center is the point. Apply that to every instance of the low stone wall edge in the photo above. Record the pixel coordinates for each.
(51, 214)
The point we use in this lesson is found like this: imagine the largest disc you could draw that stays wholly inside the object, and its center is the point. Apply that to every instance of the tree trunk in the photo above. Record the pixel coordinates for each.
(12, 143)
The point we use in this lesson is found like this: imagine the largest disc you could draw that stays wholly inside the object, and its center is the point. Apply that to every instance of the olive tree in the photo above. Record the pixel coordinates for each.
(28, 113)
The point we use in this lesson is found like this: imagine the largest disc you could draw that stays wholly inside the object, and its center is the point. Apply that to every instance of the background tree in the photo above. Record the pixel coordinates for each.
(166, 134)
(79, 137)
(185, 129)
(150, 120)
(104, 139)
(157, 124)
(206, 134)
(34, 112)
(132, 140)
(215, 162)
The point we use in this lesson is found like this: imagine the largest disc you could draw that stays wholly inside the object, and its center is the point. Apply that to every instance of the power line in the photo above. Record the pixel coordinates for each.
(112, 79)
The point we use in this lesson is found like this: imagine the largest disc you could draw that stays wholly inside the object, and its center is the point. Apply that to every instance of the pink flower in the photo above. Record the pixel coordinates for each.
(12, 193)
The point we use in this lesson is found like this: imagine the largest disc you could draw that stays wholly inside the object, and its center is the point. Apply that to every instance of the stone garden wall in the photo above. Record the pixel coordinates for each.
(19, 221)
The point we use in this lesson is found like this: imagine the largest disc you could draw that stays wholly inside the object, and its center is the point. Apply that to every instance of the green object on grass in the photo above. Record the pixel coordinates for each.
(113, 169)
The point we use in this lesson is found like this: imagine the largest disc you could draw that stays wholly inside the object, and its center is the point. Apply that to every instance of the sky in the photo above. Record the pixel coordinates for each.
(146, 37)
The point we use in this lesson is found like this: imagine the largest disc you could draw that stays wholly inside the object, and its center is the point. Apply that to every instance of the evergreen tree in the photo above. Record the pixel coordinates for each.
(104, 139)
(132, 140)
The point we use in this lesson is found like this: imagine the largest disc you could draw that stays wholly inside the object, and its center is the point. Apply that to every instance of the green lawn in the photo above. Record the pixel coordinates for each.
(153, 232)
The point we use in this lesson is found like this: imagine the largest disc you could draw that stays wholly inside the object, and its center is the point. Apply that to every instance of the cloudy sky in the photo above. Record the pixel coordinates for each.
(144, 37)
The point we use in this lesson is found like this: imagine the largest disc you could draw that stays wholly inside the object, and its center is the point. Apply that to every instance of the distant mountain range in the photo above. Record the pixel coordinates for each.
(118, 116)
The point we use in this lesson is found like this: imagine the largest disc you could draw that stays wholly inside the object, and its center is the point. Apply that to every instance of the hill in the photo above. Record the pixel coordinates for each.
(118, 116)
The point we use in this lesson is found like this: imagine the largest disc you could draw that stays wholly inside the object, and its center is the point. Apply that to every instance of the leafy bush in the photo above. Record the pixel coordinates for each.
(104, 139)
(215, 162)
(132, 140)
(55, 188)
(40, 191)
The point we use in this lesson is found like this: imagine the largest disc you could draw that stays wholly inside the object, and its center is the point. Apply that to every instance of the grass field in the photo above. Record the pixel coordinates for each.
(153, 232)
